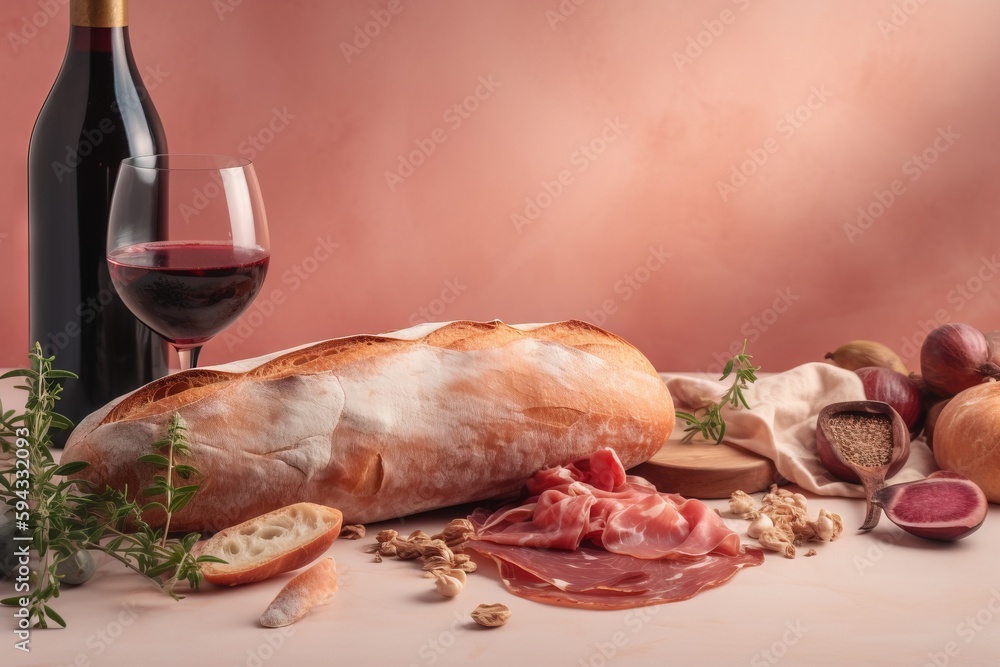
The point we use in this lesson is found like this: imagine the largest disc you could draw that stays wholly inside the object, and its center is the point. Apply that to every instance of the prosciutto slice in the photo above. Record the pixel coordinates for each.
(589, 535)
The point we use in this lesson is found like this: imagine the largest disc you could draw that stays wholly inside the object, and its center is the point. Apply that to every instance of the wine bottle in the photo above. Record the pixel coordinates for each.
(97, 113)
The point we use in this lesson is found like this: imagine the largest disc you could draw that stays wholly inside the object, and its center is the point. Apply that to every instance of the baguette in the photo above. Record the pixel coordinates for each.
(279, 541)
(385, 426)
(305, 591)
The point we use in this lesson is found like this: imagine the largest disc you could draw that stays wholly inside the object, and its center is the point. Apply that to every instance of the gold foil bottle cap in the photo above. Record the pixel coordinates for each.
(99, 13)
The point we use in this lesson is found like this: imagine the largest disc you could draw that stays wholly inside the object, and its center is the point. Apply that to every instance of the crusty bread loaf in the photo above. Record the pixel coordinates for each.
(385, 426)
(305, 591)
(276, 542)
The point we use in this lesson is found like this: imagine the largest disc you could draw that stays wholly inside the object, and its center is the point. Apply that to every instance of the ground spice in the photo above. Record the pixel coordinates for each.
(864, 439)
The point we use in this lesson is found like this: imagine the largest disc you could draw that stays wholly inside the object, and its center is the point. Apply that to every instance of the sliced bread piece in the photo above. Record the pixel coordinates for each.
(276, 542)
(305, 591)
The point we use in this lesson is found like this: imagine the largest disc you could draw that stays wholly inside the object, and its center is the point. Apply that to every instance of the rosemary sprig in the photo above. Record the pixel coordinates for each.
(175, 498)
(67, 515)
(711, 425)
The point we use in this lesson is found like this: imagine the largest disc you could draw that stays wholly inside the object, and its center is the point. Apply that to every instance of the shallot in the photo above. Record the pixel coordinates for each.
(861, 353)
(955, 357)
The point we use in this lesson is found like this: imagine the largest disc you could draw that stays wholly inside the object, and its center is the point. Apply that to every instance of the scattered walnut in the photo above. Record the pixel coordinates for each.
(354, 531)
(742, 505)
(406, 550)
(440, 562)
(811, 552)
(782, 522)
(775, 539)
(436, 549)
(491, 615)
(456, 533)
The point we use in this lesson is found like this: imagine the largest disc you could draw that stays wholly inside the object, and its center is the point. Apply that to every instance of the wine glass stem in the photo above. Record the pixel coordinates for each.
(189, 357)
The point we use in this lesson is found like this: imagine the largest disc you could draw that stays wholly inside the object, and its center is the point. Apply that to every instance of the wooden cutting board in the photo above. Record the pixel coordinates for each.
(701, 470)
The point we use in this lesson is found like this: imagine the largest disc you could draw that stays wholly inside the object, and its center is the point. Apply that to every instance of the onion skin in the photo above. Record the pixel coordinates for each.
(955, 357)
(898, 390)
(993, 338)
(931, 422)
(862, 353)
(967, 437)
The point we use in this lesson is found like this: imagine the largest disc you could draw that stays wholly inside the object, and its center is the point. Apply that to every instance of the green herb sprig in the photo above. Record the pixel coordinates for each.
(711, 425)
(68, 515)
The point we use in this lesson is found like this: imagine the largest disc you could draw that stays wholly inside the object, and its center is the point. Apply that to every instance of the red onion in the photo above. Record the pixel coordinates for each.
(955, 357)
(946, 506)
(896, 389)
(993, 338)
(931, 422)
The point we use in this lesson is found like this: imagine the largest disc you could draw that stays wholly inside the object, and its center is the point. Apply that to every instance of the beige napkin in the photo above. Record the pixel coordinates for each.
(781, 422)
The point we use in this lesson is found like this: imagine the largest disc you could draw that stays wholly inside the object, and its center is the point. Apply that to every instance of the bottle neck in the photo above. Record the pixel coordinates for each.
(99, 13)
(83, 39)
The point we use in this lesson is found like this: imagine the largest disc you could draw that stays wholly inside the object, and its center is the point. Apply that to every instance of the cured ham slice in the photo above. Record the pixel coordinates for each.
(590, 535)
(598, 579)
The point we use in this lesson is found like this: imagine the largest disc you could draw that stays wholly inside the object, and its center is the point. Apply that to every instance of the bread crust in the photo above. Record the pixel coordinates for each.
(385, 426)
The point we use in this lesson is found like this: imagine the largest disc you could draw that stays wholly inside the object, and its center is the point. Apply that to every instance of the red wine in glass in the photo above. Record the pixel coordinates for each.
(187, 244)
(187, 292)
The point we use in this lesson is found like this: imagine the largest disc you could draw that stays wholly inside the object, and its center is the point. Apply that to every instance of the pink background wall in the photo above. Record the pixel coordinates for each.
(767, 257)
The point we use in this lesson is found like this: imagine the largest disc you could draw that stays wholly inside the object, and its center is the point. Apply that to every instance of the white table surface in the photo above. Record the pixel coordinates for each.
(883, 598)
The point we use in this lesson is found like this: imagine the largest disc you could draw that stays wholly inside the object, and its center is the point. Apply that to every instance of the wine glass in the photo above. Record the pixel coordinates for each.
(187, 244)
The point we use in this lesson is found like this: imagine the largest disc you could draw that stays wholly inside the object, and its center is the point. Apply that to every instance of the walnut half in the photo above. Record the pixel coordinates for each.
(491, 615)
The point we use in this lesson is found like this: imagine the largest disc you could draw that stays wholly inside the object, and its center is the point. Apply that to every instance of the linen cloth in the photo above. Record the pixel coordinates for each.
(781, 422)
